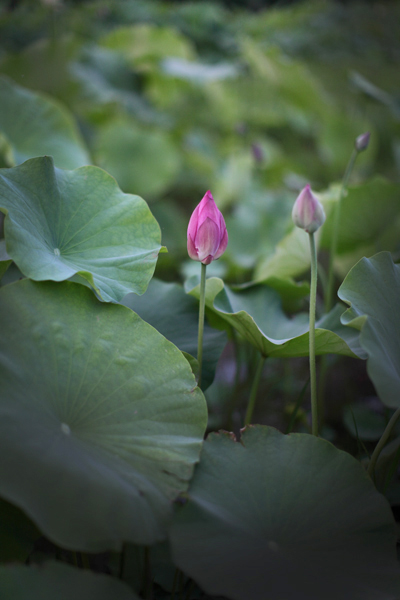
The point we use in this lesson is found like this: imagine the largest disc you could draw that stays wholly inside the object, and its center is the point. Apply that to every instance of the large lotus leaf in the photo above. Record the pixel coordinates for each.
(285, 517)
(61, 223)
(101, 421)
(372, 288)
(256, 313)
(55, 580)
(176, 315)
(34, 125)
(144, 162)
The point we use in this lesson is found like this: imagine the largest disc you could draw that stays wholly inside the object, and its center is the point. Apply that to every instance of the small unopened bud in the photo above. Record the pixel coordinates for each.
(308, 212)
(362, 141)
(207, 237)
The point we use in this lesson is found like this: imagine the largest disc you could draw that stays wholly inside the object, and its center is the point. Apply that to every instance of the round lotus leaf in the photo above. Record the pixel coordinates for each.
(101, 421)
(33, 125)
(62, 223)
(53, 581)
(285, 517)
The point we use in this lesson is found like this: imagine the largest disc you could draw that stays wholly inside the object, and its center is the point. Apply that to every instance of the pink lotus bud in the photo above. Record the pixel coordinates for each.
(207, 237)
(362, 141)
(308, 212)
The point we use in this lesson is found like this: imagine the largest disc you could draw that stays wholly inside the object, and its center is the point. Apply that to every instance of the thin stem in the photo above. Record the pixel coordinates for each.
(201, 320)
(382, 443)
(293, 416)
(335, 231)
(313, 372)
(254, 390)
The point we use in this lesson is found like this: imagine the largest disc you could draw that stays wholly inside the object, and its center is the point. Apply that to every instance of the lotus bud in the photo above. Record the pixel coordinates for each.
(207, 237)
(362, 141)
(308, 212)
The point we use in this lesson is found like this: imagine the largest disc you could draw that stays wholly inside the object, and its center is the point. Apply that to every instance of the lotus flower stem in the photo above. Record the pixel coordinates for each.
(313, 372)
(361, 144)
(382, 443)
(201, 320)
(254, 390)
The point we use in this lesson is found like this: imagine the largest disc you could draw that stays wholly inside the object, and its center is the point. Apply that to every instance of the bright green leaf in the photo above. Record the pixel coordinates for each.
(61, 223)
(101, 421)
(285, 516)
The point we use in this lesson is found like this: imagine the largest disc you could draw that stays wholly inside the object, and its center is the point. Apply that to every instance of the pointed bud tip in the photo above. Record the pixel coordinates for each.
(207, 236)
(308, 213)
(362, 141)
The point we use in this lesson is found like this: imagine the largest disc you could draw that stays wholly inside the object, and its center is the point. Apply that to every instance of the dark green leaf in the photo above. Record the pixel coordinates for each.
(100, 417)
(288, 517)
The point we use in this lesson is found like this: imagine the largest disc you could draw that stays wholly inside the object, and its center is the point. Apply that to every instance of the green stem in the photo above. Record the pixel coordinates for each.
(293, 416)
(335, 231)
(382, 443)
(201, 320)
(254, 390)
(313, 299)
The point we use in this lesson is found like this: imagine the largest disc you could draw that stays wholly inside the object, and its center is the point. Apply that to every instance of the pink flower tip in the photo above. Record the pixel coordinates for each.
(207, 237)
(308, 212)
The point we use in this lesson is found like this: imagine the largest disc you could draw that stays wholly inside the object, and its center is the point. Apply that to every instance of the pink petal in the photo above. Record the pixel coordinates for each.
(191, 248)
(207, 239)
(222, 246)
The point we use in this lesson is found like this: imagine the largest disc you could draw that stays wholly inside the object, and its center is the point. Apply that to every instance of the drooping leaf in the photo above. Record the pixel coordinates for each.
(372, 288)
(176, 315)
(56, 580)
(34, 125)
(285, 516)
(101, 421)
(256, 313)
(61, 223)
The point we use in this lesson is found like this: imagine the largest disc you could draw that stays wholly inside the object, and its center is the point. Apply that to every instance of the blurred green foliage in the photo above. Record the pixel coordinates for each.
(177, 98)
